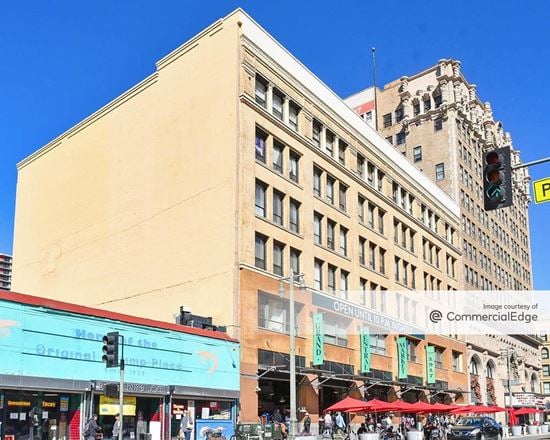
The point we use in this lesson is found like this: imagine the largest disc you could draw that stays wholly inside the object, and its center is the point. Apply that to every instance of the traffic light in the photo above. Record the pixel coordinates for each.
(110, 349)
(497, 179)
(111, 390)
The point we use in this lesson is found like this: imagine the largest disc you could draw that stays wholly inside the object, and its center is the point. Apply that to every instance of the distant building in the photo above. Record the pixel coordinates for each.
(5, 271)
(435, 119)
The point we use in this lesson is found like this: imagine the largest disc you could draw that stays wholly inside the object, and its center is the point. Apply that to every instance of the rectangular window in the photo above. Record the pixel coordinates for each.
(329, 143)
(278, 207)
(457, 361)
(260, 257)
(396, 229)
(273, 314)
(438, 99)
(343, 241)
(371, 216)
(387, 120)
(400, 138)
(295, 260)
(416, 108)
(362, 250)
(331, 278)
(331, 228)
(362, 291)
(438, 124)
(378, 344)
(399, 114)
(438, 357)
(293, 112)
(417, 154)
(293, 171)
(344, 276)
(335, 330)
(294, 216)
(278, 100)
(372, 256)
(261, 91)
(317, 181)
(316, 134)
(361, 166)
(427, 105)
(278, 258)
(318, 274)
(260, 198)
(361, 209)
(381, 221)
(382, 261)
(330, 189)
(342, 152)
(278, 151)
(261, 140)
(318, 237)
(396, 269)
(411, 348)
(440, 171)
(546, 370)
(342, 197)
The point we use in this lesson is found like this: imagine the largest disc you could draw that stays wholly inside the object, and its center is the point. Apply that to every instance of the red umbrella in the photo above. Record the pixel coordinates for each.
(441, 407)
(495, 409)
(421, 407)
(462, 409)
(524, 411)
(347, 404)
(376, 405)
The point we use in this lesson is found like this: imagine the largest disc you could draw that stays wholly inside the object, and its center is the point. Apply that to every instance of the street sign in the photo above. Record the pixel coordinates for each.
(541, 189)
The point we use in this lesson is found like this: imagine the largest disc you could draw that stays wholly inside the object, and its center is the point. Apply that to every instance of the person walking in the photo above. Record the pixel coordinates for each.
(327, 424)
(117, 427)
(92, 429)
(186, 425)
(307, 423)
(340, 423)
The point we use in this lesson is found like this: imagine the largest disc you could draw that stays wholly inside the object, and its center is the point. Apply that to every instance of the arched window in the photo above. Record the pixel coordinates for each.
(490, 370)
(544, 353)
(534, 383)
(474, 367)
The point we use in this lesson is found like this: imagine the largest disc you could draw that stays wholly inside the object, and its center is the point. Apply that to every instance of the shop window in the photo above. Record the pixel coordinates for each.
(336, 330)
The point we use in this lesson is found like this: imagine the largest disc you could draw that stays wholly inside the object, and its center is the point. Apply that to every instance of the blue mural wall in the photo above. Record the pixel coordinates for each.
(42, 342)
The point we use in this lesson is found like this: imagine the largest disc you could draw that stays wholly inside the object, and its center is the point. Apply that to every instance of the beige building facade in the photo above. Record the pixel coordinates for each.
(215, 176)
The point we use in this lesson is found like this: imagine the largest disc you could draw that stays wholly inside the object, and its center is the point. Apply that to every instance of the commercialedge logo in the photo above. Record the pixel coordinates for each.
(510, 316)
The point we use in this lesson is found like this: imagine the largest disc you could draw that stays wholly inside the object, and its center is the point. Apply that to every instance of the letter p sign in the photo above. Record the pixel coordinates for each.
(541, 190)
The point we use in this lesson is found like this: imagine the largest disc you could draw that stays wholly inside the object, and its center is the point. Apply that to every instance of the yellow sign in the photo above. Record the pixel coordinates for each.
(541, 188)
(108, 406)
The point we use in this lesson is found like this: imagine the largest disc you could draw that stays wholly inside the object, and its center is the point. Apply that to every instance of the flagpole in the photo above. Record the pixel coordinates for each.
(374, 82)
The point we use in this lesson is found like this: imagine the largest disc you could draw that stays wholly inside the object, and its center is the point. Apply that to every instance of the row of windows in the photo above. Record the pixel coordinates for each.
(320, 223)
(284, 160)
(329, 186)
(280, 203)
(326, 140)
(276, 102)
(372, 216)
(404, 273)
(278, 255)
(403, 236)
(430, 252)
(376, 258)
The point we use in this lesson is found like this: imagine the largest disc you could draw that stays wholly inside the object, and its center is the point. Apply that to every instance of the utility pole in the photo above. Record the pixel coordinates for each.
(121, 391)
(293, 278)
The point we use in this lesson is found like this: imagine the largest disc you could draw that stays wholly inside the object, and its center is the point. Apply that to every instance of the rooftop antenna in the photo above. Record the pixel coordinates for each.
(374, 82)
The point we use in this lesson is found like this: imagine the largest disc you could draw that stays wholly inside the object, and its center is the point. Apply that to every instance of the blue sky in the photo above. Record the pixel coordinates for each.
(65, 59)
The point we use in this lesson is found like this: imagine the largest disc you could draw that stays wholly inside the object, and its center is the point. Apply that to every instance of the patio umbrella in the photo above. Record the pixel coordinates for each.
(524, 411)
(347, 404)
(422, 407)
(495, 409)
(441, 407)
(512, 419)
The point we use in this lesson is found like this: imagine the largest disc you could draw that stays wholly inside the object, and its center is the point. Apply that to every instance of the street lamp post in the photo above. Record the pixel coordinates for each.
(293, 278)
(507, 352)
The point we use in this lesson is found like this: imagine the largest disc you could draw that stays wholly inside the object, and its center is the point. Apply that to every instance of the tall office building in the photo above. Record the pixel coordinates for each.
(5, 271)
(435, 119)
(214, 177)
